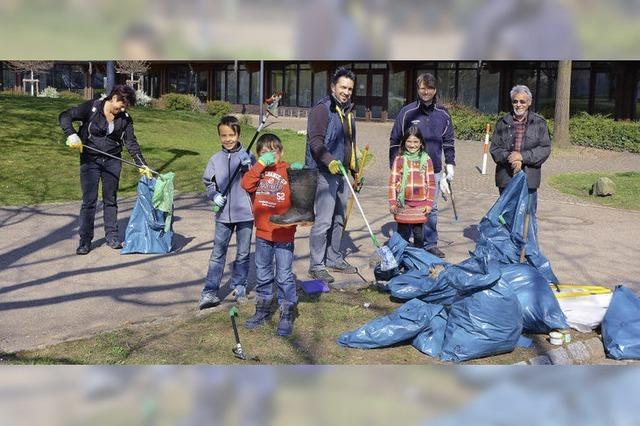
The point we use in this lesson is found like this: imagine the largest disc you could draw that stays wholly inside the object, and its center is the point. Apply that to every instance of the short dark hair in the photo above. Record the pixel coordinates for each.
(412, 131)
(123, 93)
(270, 141)
(427, 79)
(342, 72)
(230, 121)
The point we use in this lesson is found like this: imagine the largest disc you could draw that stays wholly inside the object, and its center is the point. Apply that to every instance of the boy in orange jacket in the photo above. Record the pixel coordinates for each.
(268, 182)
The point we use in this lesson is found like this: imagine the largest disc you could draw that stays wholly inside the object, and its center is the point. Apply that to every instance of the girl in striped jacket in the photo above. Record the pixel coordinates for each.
(412, 186)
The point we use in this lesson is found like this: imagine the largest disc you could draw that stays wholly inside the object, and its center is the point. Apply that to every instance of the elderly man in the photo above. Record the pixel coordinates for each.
(520, 141)
(436, 127)
(331, 131)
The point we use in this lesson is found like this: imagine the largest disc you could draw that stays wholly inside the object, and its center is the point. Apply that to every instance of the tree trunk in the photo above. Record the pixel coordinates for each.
(561, 137)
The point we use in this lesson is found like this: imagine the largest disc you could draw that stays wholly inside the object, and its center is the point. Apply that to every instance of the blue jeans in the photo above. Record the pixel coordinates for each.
(219, 254)
(266, 252)
(431, 227)
(91, 173)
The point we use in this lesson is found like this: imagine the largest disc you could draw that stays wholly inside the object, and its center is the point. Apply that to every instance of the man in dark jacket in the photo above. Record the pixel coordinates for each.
(520, 141)
(331, 133)
(106, 126)
(436, 127)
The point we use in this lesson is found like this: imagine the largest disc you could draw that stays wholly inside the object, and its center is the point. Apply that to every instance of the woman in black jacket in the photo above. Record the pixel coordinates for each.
(105, 126)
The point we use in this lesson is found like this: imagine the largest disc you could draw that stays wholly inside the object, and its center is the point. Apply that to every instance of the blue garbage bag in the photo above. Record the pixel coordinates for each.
(401, 325)
(145, 232)
(429, 342)
(501, 230)
(471, 275)
(419, 284)
(409, 257)
(487, 322)
(541, 312)
(621, 325)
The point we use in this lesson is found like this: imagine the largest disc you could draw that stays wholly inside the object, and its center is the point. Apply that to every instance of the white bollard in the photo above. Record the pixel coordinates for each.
(485, 148)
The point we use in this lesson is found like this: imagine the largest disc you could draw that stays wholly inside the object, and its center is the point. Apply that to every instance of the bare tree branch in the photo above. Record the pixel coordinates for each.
(132, 67)
(31, 66)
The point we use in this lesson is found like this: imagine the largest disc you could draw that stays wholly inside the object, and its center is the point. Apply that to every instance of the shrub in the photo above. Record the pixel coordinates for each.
(219, 108)
(49, 92)
(70, 96)
(181, 102)
(142, 99)
(469, 123)
(604, 132)
(158, 104)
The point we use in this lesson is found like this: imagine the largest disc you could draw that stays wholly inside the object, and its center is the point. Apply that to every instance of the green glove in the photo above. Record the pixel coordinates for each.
(296, 166)
(267, 159)
(335, 166)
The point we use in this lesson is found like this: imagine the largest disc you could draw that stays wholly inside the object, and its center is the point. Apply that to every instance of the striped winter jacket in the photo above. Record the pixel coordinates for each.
(419, 192)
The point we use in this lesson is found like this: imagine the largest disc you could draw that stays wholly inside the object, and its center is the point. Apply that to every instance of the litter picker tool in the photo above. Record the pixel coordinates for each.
(363, 162)
(453, 204)
(237, 350)
(131, 163)
(485, 148)
(388, 261)
(272, 110)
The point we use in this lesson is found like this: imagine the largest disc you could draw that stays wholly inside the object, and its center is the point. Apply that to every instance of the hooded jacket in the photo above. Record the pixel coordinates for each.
(216, 178)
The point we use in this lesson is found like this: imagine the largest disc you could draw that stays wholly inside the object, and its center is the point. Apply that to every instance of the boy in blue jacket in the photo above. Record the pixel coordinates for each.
(232, 212)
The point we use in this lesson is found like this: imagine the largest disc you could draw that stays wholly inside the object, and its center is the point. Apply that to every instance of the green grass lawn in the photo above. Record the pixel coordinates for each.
(37, 167)
(627, 194)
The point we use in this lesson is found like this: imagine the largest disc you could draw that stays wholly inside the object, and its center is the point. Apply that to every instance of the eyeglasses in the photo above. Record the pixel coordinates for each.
(519, 101)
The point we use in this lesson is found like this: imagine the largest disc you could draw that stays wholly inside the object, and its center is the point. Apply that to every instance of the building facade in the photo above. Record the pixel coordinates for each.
(382, 87)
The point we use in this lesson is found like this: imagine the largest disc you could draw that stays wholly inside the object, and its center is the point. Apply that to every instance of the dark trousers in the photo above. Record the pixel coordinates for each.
(92, 172)
(406, 229)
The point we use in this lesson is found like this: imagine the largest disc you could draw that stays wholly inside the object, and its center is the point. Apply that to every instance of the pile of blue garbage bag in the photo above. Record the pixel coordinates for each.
(478, 307)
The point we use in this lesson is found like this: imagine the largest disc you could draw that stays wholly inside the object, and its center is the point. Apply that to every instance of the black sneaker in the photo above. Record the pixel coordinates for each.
(436, 252)
(321, 274)
(83, 248)
(343, 267)
(114, 243)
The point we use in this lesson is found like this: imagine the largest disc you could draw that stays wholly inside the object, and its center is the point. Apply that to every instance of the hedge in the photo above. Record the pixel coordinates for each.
(219, 108)
(181, 102)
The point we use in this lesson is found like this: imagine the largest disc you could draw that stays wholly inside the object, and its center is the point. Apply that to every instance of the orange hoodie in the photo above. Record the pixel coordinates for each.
(269, 189)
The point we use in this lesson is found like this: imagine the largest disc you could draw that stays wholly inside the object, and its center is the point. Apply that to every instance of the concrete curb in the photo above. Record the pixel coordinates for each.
(586, 352)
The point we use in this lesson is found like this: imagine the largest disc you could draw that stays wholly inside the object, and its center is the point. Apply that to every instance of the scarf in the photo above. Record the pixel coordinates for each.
(406, 157)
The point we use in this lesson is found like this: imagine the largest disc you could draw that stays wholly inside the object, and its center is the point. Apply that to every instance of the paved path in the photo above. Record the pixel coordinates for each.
(48, 294)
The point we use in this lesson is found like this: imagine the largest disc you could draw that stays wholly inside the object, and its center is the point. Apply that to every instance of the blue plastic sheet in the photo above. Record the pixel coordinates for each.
(541, 312)
(488, 322)
(621, 325)
(145, 232)
(403, 324)
(502, 241)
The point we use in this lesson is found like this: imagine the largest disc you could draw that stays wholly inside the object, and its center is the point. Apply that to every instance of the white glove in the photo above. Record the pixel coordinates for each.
(74, 142)
(219, 200)
(450, 172)
(444, 184)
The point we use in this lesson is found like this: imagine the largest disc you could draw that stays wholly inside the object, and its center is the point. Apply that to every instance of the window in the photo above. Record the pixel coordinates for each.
(446, 84)
(304, 86)
(489, 91)
(547, 77)
(255, 88)
(232, 84)
(277, 81)
(604, 91)
(580, 82)
(290, 86)
(244, 86)
(203, 85)
(397, 96)
(319, 85)
(467, 83)
(221, 82)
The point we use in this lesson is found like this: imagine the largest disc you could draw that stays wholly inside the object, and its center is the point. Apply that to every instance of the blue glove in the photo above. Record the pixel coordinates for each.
(245, 159)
